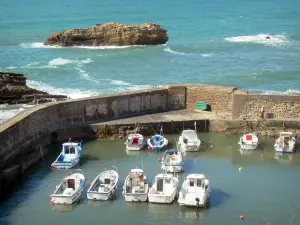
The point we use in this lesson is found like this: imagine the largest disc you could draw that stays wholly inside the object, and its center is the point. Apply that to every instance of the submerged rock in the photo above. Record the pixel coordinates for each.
(13, 90)
(111, 34)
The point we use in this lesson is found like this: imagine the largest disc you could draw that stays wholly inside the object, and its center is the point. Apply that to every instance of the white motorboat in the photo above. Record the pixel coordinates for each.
(136, 187)
(69, 190)
(285, 143)
(195, 191)
(164, 189)
(172, 161)
(69, 156)
(248, 141)
(189, 141)
(135, 142)
(157, 142)
(104, 186)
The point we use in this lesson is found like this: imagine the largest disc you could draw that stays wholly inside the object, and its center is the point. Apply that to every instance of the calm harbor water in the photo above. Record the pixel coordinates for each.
(266, 189)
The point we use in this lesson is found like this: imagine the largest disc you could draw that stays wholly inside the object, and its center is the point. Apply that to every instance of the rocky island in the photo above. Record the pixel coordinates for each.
(110, 34)
(13, 90)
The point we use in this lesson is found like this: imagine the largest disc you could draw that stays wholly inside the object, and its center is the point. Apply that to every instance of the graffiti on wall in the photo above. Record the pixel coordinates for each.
(100, 108)
(176, 101)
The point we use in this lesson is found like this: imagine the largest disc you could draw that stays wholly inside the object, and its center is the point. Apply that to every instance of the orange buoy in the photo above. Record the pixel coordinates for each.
(50, 197)
(158, 160)
(241, 217)
(149, 148)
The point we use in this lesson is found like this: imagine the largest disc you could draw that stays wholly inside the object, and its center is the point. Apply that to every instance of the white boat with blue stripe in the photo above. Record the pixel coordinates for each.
(157, 142)
(69, 156)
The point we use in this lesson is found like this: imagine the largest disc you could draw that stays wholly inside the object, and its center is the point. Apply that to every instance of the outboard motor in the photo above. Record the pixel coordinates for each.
(197, 202)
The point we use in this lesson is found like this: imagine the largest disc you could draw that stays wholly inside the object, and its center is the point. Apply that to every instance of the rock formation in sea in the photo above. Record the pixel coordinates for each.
(110, 34)
(13, 90)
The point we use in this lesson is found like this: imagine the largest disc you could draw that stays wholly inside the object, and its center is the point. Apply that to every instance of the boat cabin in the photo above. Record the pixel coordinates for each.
(70, 150)
(136, 182)
(135, 139)
(69, 185)
(196, 183)
(284, 138)
(164, 182)
(189, 136)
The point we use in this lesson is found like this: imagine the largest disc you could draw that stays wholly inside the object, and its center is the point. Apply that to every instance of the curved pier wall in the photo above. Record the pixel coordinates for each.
(40, 121)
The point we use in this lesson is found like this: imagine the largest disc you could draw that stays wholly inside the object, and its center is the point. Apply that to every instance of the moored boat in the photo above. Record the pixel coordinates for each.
(195, 191)
(104, 186)
(164, 189)
(136, 187)
(69, 190)
(69, 157)
(172, 161)
(286, 142)
(248, 141)
(135, 142)
(188, 141)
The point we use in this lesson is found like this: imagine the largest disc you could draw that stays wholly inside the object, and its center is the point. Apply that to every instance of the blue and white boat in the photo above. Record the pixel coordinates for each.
(69, 156)
(157, 142)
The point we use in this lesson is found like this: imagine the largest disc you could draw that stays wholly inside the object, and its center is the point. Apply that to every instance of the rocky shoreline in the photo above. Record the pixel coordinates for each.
(111, 34)
(13, 90)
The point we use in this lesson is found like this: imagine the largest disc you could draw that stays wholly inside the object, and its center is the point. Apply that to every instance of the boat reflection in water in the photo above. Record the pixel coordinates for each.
(246, 152)
(95, 203)
(190, 213)
(63, 208)
(284, 158)
(128, 152)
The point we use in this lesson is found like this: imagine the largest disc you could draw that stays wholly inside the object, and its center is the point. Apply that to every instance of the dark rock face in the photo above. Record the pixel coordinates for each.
(111, 34)
(13, 90)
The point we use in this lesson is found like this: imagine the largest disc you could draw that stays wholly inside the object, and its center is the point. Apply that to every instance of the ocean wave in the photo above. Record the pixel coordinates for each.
(72, 93)
(126, 86)
(38, 45)
(41, 45)
(287, 92)
(168, 49)
(260, 39)
(60, 61)
(8, 111)
(84, 74)
(174, 52)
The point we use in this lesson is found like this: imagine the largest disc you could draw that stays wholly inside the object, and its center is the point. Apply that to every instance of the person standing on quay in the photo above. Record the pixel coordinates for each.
(262, 112)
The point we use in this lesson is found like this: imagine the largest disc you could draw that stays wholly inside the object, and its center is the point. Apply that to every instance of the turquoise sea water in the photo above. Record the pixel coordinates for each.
(213, 42)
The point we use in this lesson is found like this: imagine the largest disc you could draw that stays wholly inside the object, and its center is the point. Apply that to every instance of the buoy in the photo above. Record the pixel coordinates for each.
(241, 217)
(52, 165)
(149, 148)
(158, 160)
(240, 169)
(50, 197)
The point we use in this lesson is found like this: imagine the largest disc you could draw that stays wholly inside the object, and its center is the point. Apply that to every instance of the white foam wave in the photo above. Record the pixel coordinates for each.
(174, 52)
(59, 62)
(126, 86)
(206, 55)
(11, 67)
(287, 92)
(9, 111)
(84, 75)
(266, 39)
(38, 45)
(72, 93)
(120, 83)
(41, 45)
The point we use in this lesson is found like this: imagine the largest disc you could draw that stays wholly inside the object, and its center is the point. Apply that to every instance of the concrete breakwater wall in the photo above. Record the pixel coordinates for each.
(56, 121)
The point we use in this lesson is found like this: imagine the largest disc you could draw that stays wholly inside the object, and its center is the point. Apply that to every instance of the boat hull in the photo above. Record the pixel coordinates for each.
(248, 146)
(172, 168)
(162, 199)
(185, 148)
(102, 196)
(66, 165)
(136, 197)
(283, 150)
(135, 148)
(193, 203)
(67, 200)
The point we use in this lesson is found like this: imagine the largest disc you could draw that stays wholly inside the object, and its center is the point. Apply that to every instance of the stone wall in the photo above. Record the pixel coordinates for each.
(275, 106)
(36, 122)
(219, 98)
